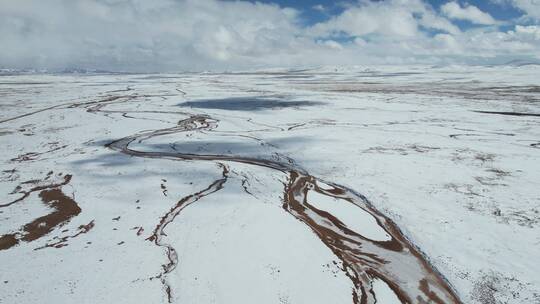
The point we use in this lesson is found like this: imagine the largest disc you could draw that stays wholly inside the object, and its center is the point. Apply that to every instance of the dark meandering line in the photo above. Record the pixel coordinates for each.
(396, 262)
(509, 113)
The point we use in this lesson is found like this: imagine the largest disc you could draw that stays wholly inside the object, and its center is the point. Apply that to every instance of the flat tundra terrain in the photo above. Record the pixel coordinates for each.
(329, 185)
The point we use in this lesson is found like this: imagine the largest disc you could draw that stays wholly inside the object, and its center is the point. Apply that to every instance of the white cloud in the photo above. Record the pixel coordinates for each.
(532, 32)
(449, 43)
(173, 35)
(522, 41)
(319, 7)
(531, 8)
(138, 34)
(395, 18)
(332, 44)
(469, 12)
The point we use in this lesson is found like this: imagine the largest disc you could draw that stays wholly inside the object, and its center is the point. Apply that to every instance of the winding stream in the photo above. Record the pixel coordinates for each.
(389, 258)
(372, 249)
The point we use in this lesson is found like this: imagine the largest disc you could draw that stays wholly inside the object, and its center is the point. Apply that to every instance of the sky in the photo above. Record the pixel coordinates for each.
(196, 35)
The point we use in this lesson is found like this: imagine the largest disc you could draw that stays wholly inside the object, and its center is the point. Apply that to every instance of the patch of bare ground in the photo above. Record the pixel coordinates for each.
(465, 189)
(63, 209)
(527, 218)
(494, 177)
(480, 202)
(463, 90)
(523, 217)
(31, 156)
(403, 150)
(9, 175)
(473, 156)
(496, 288)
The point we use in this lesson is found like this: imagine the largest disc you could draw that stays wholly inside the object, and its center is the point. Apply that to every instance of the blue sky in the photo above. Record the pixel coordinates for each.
(173, 35)
(501, 11)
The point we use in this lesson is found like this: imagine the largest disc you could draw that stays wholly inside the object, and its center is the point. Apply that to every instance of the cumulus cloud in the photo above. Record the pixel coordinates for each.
(139, 34)
(531, 8)
(469, 12)
(395, 18)
(176, 35)
(319, 7)
(531, 32)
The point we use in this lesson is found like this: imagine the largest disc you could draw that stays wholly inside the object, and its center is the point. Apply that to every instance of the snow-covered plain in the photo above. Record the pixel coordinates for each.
(170, 188)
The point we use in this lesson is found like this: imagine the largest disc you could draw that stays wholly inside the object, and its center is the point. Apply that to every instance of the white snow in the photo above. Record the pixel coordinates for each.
(463, 186)
(353, 217)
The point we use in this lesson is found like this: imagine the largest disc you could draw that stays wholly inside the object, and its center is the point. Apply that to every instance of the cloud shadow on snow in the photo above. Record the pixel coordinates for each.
(256, 103)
